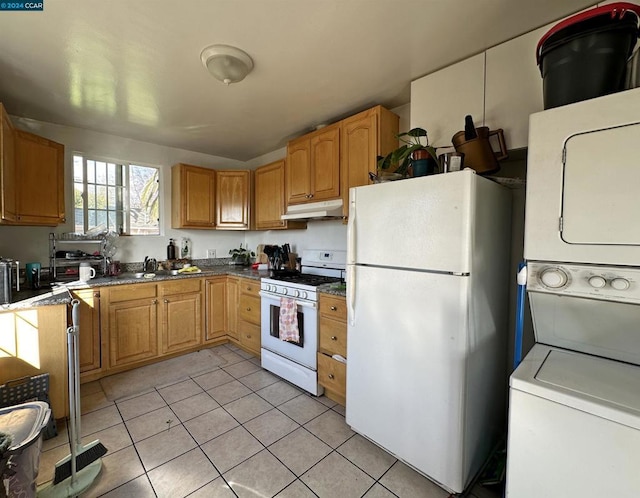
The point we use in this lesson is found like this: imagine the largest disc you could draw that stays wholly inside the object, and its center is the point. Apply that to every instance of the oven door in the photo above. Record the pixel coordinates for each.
(303, 352)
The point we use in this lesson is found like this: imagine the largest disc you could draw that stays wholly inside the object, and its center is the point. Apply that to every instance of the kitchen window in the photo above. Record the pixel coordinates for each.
(117, 196)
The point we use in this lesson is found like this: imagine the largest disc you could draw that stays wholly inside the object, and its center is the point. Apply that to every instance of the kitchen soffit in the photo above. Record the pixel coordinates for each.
(133, 68)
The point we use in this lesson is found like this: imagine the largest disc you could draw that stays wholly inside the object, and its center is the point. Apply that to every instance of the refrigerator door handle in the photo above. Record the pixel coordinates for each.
(351, 229)
(351, 294)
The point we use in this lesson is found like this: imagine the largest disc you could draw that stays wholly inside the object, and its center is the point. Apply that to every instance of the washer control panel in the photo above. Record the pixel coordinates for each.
(590, 281)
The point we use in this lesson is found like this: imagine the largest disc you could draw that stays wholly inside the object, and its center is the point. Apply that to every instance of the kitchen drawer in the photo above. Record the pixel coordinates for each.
(332, 375)
(119, 293)
(335, 307)
(183, 286)
(249, 286)
(249, 309)
(249, 335)
(333, 336)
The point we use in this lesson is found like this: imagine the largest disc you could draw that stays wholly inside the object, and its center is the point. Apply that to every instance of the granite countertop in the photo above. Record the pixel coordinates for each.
(47, 296)
(60, 293)
(333, 289)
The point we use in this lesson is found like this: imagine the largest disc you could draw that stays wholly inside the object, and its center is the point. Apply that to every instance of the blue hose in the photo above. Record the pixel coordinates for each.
(520, 304)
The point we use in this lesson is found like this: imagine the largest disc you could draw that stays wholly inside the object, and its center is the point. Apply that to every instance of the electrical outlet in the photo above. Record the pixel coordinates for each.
(211, 253)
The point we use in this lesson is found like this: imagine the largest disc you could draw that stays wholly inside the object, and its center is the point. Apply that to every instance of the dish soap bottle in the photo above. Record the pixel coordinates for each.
(171, 250)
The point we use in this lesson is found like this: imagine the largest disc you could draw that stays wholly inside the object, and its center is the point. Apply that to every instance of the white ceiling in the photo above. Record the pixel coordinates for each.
(132, 68)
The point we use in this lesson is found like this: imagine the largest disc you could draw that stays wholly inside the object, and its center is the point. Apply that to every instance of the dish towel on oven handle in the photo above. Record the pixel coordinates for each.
(288, 323)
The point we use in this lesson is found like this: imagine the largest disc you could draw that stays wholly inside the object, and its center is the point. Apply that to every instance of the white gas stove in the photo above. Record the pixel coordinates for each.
(296, 361)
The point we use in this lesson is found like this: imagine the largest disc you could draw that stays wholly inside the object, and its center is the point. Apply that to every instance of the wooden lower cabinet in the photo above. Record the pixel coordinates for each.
(216, 308)
(89, 347)
(249, 336)
(332, 374)
(248, 321)
(149, 320)
(34, 341)
(132, 325)
(133, 331)
(181, 321)
(232, 307)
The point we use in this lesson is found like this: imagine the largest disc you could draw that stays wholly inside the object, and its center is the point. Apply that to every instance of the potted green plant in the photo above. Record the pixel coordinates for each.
(241, 256)
(411, 151)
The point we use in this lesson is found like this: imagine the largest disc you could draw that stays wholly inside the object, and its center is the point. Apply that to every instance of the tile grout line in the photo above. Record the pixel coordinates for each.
(240, 424)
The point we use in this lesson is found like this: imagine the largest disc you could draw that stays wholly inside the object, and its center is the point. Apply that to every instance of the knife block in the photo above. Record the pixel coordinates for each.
(291, 264)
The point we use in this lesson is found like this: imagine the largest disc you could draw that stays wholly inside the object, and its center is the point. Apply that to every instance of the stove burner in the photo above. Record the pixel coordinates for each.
(279, 274)
(306, 279)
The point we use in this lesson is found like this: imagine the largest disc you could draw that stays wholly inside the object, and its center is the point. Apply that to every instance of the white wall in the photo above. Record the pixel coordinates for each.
(31, 243)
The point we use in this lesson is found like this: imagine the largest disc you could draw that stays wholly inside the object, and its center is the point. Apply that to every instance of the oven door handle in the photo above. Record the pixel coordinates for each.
(302, 304)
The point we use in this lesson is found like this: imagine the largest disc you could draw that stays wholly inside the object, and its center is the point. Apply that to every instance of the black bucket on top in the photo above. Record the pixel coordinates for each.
(585, 56)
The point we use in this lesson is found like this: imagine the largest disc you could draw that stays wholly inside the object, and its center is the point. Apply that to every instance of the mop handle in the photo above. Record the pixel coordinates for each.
(74, 386)
(522, 287)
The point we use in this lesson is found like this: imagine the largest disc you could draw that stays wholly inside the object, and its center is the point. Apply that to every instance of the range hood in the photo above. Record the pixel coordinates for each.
(314, 210)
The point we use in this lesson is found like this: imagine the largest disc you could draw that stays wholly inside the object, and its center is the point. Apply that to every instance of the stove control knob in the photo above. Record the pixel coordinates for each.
(597, 282)
(554, 278)
(284, 291)
(297, 293)
(620, 284)
(304, 295)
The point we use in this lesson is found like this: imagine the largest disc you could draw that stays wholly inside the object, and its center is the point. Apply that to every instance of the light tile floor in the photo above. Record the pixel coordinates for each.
(235, 431)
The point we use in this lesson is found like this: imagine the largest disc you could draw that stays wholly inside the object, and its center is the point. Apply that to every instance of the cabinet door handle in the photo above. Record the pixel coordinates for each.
(248, 336)
(333, 308)
(248, 309)
(155, 301)
(166, 301)
(331, 376)
(334, 338)
(96, 294)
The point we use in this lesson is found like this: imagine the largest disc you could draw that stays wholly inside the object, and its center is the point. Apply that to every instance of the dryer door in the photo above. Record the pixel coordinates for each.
(601, 185)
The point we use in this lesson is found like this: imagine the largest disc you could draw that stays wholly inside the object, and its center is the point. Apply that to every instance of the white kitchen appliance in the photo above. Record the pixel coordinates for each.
(297, 362)
(427, 299)
(574, 412)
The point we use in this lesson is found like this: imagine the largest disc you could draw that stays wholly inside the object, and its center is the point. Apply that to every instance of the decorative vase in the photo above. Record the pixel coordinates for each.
(424, 167)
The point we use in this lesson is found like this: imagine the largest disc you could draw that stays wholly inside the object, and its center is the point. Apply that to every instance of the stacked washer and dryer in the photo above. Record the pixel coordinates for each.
(574, 414)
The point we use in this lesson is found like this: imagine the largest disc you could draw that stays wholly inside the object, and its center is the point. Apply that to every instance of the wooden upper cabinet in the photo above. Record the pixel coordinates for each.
(298, 170)
(313, 166)
(7, 169)
(325, 162)
(270, 198)
(39, 180)
(233, 197)
(269, 195)
(365, 136)
(192, 197)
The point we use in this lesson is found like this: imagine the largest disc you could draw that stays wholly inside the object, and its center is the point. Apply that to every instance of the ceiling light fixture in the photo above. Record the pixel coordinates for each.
(227, 64)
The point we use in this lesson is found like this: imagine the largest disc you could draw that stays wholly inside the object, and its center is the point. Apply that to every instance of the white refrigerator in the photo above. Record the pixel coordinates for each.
(427, 299)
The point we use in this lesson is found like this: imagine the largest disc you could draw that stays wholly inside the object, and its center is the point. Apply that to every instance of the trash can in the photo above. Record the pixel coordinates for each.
(29, 388)
(24, 424)
(585, 56)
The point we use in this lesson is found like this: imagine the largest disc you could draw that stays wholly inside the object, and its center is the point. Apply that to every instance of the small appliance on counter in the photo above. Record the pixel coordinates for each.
(9, 280)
